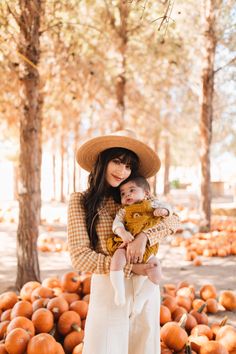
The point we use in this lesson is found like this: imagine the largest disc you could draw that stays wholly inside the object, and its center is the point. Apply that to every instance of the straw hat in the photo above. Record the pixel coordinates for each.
(88, 152)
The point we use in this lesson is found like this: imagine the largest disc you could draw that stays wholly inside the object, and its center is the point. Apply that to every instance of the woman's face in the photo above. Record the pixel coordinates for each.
(117, 172)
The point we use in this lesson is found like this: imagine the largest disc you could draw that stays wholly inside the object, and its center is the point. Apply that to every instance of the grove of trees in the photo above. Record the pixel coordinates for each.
(70, 70)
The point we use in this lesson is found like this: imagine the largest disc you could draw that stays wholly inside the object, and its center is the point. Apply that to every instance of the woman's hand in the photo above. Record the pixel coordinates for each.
(141, 269)
(135, 249)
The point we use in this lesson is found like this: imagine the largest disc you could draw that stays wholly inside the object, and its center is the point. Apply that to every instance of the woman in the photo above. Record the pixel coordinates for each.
(111, 329)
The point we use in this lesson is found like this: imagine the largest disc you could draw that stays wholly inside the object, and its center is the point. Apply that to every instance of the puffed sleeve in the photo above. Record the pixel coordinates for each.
(166, 227)
(119, 220)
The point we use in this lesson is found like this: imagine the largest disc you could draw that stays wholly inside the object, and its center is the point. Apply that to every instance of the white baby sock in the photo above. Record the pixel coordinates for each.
(117, 281)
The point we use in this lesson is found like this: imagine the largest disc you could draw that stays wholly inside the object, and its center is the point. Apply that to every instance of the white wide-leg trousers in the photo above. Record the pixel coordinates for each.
(111, 329)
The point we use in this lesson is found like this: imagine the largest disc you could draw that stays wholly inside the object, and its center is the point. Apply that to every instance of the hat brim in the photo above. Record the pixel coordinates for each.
(87, 153)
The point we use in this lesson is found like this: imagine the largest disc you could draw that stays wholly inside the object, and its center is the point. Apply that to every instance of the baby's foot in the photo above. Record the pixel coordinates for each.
(155, 274)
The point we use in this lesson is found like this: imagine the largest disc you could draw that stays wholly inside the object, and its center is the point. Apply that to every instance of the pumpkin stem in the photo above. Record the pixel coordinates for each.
(201, 308)
(223, 322)
(182, 321)
(188, 349)
(53, 331)
(55, 310)
(75, 279)
(76, 327)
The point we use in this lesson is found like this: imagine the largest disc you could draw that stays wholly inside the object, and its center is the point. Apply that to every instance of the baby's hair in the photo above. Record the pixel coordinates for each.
(140, 181)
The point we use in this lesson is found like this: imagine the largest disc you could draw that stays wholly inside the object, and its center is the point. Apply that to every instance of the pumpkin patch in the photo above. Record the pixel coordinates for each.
(39, 318)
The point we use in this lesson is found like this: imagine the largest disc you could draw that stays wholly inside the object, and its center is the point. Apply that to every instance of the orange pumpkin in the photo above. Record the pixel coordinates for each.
(6, 315)
(200, 316)
(190, 323)
(27, 288)
(86, 298)
(16, 341)
(22, 308)
(174, 336)
(165, 315)
(41, 292)
(213, 347)
(170, 302)
(227, 336)
(81, 307)
(86, 284)
(59, 349)
(3, 328)
(40, 303)
(8, 300)
(72, 339)
(22, 322)
(187, 291)
(51, 282)
(228, 299)
(197, 342)
(43, 320)
(69, 321)
(3, 350)
(208, 291)
(178, 312)
(212, 305)
(78, 349)
(169, 289)
(70, 297)
(42, 343)
(70, 282)
(57, 306)
(197, 303)
(202, 330)
(184, 302)
(216, 326)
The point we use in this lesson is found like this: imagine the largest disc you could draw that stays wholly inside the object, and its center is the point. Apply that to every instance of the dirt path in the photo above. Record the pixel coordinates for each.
(218, 271)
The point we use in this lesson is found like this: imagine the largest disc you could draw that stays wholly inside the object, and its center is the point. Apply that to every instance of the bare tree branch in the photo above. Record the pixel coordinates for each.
(223, 66)
(16, 17)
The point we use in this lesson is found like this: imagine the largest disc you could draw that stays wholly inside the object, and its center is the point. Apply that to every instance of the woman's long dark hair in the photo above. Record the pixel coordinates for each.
(98, 187)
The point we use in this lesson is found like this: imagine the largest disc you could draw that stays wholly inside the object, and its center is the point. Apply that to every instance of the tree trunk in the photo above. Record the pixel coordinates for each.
(156, 147)
(16, 180)
(206, 102)
(54, 175)
(121, 78)
(30, 144)
(76, 141)
(62, 199)
(167, 165)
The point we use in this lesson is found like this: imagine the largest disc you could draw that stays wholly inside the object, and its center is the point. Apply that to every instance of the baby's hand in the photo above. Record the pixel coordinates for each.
(125, 235)
(160, 212)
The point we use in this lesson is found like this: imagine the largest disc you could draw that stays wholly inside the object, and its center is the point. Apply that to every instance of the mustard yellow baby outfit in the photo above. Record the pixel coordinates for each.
(135, 218)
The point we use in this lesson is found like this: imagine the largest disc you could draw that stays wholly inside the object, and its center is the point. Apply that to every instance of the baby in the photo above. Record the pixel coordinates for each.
(138, 214)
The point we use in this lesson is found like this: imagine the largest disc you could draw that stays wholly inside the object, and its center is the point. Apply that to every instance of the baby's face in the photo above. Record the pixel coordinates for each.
(130, 193)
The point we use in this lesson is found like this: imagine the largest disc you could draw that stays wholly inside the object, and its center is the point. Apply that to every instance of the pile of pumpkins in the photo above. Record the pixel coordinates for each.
(48, 243)
(211, 244)
(47, 317)
(185, 320)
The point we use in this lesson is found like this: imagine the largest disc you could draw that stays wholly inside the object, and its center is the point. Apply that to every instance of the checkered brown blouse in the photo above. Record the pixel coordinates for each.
(83, 257)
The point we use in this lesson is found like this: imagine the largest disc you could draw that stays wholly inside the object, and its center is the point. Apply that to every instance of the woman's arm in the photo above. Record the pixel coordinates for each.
(166, 227)
(153, 235)
(84, 258)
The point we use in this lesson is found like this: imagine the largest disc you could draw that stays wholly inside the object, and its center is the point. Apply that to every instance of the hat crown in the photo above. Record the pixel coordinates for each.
(87, 154)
